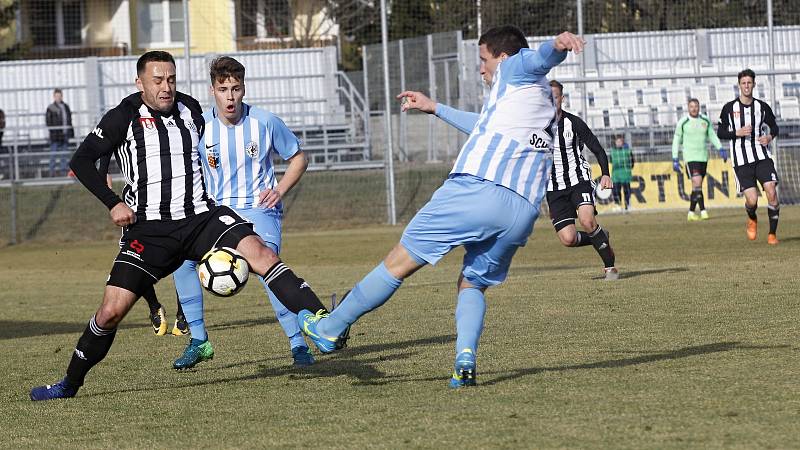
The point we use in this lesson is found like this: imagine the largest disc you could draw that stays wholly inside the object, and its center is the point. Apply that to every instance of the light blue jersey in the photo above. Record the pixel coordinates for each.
(237, 166)
(515, 123)
(237, 160)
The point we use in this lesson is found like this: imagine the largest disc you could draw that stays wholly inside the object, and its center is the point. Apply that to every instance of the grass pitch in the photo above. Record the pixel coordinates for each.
(695, 347)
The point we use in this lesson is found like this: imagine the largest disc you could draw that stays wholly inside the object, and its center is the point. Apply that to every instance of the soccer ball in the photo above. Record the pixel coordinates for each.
(223, 271)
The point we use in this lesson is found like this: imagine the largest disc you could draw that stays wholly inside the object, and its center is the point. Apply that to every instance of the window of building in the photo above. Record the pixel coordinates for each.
(56, 23)
(263, 18)
(160, 23)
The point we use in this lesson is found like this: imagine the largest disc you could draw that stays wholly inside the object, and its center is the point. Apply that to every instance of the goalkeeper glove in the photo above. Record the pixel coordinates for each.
(723, 154)
(676, 165)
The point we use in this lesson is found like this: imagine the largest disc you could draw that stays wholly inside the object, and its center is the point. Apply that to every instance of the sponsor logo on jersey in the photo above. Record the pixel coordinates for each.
(148, 123)
(170, 123)
(98, 132)
(251, 149)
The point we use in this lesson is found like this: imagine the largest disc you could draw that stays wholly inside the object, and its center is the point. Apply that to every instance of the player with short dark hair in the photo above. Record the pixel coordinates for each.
(167, 214)
(570, 192)
(622, 162)
(236, 150)
(693, 132)
(750, 125)
(488, 203)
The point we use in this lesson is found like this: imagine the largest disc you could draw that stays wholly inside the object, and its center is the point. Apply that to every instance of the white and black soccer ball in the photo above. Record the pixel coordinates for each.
(223, 271)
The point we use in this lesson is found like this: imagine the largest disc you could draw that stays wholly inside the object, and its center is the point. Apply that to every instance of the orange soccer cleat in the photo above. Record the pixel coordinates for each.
(772, 239)
(752, 228)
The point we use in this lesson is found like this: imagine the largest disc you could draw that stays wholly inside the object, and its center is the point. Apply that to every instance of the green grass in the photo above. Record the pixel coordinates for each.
(695, 347)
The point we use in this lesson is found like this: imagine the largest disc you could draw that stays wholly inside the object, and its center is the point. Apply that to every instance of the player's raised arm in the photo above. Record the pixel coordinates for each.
(551, 53)
(101, 142)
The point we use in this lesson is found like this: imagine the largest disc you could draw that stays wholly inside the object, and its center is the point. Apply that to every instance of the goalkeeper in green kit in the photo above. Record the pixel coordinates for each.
(692, 133)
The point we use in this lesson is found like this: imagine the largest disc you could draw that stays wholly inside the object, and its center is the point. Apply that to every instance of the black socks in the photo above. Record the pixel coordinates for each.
(91, 349)
(600, 242)
(295, 294)
(773, 213)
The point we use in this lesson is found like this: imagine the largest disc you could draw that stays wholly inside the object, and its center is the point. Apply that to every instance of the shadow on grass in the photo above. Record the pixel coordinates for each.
(340, 363)
(364, 373)
(789, 239)
(685, 352)
(623, 274)
(14, 329)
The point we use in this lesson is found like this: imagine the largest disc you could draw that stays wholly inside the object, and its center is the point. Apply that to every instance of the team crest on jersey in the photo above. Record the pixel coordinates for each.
(213, 158)
(251, 149)
(148, 123)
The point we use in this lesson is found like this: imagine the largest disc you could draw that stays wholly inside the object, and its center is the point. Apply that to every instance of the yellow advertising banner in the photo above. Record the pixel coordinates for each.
(654, 185)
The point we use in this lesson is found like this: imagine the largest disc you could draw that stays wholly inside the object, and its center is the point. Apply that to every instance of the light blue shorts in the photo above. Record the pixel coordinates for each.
(489, 220)
(266, 223)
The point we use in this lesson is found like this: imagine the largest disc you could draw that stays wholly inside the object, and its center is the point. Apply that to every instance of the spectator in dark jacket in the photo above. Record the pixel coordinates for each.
(59, 121)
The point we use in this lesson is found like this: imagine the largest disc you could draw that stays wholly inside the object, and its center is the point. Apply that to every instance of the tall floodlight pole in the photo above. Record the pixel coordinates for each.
(388, 116)
(186, 55)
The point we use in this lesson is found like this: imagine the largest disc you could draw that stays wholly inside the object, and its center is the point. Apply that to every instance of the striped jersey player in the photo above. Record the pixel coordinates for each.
(750, 126)
(488, 203)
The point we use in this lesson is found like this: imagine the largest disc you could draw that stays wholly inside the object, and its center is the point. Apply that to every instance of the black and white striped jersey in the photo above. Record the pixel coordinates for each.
(569, 165)
(157, 154)
(736, 115)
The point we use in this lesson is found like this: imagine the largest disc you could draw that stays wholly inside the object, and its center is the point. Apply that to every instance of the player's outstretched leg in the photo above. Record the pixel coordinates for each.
(470, 312)
(371, 292)
(158, 316)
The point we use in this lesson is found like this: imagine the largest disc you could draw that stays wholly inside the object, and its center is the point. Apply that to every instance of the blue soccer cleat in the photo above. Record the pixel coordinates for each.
(62, 389)
(302, 356)
(464, 372)
(308, 325)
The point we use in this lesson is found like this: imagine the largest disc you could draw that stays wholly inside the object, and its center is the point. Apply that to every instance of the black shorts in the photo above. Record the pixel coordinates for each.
(762, 171)
(563, 204)
(152, 249)
(696, 169)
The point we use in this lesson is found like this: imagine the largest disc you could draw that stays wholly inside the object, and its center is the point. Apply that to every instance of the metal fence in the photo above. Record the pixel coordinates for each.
(633, 81)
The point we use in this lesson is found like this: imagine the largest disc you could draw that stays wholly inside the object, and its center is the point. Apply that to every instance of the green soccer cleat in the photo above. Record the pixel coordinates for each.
(196, 352)
(704, 215)
(464, 371)
(692, 217)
